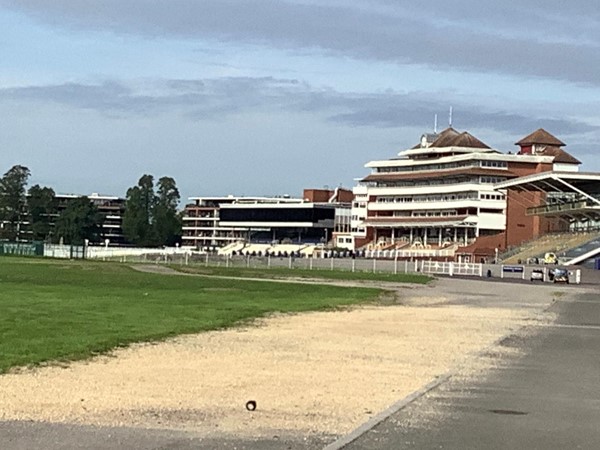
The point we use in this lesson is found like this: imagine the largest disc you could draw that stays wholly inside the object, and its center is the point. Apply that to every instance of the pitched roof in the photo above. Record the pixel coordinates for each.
(540, 136)
(467, 140)
(445, 136)
(560, 156)
(452, 138)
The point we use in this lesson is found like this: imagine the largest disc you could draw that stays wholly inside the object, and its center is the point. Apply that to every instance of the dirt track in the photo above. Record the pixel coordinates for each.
(322, 373)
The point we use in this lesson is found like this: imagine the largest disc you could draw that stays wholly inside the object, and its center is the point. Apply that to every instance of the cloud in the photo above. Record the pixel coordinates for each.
(554, 42)
(218, 99)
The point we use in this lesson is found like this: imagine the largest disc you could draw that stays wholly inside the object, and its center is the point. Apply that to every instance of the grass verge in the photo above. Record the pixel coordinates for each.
(285, 273)
(67, 310)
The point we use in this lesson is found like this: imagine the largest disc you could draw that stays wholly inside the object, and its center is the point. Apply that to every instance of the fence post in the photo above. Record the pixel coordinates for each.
(311, 263)
(227, 260)
(451, 269)
(501, 271)
(374, 265)
(331, 259)
(290, 262)
(269, 261)
(247, 261)
(480, 270)
(396, 263)
(206, 260)
(353, 265)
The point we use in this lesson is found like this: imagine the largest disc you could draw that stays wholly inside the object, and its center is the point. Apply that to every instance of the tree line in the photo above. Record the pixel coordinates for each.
(151, 217)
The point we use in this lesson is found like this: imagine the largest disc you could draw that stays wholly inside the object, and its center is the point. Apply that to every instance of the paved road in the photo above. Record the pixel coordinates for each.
(547, 399)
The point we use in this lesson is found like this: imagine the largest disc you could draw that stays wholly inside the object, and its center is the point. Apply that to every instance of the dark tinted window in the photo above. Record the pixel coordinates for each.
(258, 214)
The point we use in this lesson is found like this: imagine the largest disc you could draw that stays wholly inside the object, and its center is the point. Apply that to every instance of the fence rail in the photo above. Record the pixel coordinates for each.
(354, 264)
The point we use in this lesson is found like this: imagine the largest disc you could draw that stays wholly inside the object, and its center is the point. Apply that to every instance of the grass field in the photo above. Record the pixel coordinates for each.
(63, 310)
(279, 272)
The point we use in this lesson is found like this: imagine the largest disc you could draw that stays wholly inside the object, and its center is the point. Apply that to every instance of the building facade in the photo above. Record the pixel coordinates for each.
(111, 210)
(202, 227)
(440, 193)
(210, 223)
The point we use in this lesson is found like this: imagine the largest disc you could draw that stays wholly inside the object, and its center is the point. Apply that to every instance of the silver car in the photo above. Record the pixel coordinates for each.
(537, 274)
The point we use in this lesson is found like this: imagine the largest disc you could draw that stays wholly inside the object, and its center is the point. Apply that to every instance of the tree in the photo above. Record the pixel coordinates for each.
(167, 221)
(42, 209)
(12, 200)
(139, 209)
(79, 221)
(150, 218)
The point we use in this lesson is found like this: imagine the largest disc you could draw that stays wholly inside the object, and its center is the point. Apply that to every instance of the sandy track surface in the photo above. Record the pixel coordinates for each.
(322, 373)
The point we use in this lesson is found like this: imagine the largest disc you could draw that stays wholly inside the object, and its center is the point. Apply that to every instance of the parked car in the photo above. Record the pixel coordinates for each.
(561, 276)
(537, 274)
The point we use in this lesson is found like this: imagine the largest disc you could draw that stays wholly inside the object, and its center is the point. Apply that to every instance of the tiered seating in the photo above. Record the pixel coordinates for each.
(555, 243)
(272, 249)
(308, 250)
(257, 249)
(233, 247)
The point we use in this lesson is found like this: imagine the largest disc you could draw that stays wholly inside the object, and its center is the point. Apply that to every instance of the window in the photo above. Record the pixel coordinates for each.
(495, 164)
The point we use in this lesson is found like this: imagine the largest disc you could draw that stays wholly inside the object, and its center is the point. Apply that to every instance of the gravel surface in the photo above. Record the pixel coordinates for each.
(320, 373)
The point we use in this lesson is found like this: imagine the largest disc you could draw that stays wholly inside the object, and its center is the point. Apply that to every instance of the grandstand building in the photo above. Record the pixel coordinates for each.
(441, 193)
(202, 228)
(111, 210)
(210, 223)
(300, 222)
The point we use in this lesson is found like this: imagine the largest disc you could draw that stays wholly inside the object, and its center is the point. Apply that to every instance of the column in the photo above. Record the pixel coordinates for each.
(440, 237)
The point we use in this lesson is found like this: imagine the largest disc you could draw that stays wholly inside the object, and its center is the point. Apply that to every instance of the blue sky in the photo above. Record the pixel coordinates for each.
(254, 97)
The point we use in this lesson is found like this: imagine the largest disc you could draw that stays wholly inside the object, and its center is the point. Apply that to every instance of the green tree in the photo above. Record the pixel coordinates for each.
(139, 209)
(167, 221)
(42, 210)
(79, 221)
(12, 201)
(150, 217)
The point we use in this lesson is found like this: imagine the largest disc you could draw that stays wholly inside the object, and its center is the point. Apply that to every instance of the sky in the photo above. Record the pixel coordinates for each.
(268, 97)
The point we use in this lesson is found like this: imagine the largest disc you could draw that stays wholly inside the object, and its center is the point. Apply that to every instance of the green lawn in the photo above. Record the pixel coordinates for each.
(61, 310)
(279, 272)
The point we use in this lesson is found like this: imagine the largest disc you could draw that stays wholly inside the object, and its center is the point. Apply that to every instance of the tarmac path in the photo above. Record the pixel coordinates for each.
(547, 399)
